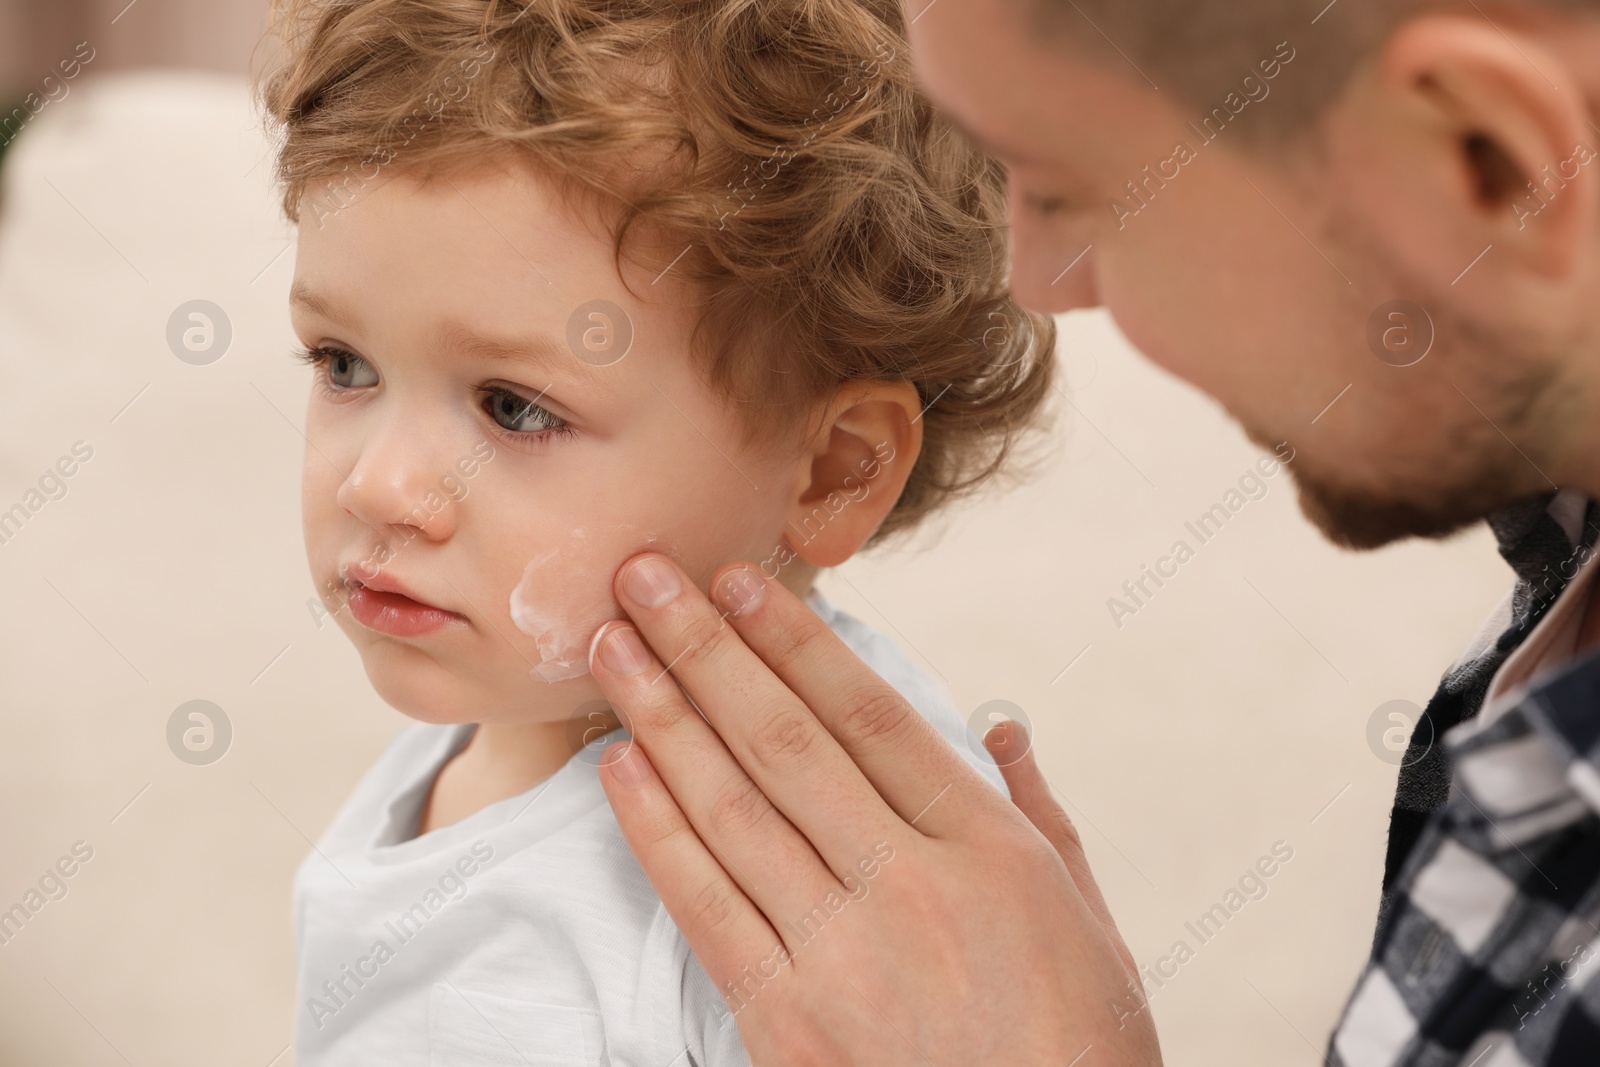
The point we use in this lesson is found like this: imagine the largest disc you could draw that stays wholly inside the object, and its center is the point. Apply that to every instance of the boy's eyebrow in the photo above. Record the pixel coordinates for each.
(534, 349)
(313, 302)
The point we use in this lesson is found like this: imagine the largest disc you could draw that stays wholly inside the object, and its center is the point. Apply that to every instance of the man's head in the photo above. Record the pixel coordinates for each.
(1288, 209)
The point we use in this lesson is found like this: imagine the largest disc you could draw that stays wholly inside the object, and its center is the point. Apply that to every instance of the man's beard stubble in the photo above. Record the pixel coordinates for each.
(1470, 469)
(1363, 520)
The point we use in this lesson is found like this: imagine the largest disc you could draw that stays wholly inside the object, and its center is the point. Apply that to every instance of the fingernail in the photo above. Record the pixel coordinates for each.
(626, 765)
(1007, 742)
(651, 582)
(998, 736)
(739, 592)
(623, 652)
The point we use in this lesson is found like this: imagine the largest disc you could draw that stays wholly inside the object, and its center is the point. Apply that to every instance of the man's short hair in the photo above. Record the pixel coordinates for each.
(1200, 50)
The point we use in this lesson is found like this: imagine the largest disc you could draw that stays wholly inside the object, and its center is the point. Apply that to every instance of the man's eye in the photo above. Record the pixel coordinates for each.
(1045, 205)
(520, 415)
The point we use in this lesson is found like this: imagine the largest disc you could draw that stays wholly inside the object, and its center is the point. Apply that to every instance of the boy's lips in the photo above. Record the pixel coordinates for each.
(383, 603)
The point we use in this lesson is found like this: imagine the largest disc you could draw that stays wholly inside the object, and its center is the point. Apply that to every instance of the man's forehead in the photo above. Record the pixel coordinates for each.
(1026, 100)
(983, 64)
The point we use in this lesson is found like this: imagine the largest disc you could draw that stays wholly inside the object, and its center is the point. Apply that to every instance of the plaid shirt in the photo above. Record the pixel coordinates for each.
(1488, 937)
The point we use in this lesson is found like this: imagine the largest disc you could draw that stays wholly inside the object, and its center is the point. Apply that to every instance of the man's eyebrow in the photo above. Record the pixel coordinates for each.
(1003, 153)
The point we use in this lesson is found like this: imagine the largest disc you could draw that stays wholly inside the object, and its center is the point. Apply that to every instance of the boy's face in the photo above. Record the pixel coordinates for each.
(462, 447)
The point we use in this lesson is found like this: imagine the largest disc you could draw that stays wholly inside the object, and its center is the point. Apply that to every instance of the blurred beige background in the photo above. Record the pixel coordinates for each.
(1229, 714)
(217, 35)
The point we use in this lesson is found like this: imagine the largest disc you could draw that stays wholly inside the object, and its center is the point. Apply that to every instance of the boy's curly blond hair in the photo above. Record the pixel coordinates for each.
(837, 228)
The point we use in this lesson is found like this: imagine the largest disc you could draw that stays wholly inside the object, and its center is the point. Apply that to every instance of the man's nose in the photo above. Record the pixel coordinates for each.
(1052, 264)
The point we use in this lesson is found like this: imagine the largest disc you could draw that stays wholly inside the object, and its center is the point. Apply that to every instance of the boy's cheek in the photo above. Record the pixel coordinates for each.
(318, 502)
(563, 595)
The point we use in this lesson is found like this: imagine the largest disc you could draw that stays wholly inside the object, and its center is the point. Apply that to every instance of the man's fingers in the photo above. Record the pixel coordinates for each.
(770, 730)
(910, 765)
(1008, 742)
(734, 820)
(725, 928)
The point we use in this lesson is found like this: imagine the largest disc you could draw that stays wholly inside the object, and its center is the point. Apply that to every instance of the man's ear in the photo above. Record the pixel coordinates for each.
(1465, 136)
(869, 438)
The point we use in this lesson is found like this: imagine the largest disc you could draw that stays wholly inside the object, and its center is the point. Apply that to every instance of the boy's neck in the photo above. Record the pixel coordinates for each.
(500, 761)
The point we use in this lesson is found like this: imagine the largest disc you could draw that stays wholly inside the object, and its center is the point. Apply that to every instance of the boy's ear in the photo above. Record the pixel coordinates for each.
(869, 440)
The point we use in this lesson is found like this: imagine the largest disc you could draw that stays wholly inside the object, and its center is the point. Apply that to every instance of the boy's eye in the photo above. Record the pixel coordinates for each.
(511, 411)
(520, 415)
(345, 370)
(350, 371)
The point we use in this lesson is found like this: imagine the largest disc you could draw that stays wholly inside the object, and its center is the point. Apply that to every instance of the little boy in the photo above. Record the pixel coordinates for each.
(578, 277)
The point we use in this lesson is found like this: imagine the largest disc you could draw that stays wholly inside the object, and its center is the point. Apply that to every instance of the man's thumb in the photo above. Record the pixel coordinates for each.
(1008, 742)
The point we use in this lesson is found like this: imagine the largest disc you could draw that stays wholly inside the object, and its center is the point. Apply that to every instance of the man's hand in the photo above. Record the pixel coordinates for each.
(858, 893)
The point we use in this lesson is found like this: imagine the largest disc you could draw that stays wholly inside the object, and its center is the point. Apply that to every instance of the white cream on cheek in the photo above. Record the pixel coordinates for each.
(565, 596)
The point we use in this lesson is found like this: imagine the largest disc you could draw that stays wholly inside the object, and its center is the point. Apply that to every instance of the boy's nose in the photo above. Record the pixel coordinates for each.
(399, 479)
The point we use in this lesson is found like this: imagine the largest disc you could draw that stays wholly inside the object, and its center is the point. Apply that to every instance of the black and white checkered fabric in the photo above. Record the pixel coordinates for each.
(1488, 940)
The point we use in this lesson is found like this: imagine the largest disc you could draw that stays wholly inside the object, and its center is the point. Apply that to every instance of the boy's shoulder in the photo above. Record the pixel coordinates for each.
(922, 691)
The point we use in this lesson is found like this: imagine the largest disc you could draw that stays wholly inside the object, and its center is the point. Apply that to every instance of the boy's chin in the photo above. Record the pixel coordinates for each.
(431, 695)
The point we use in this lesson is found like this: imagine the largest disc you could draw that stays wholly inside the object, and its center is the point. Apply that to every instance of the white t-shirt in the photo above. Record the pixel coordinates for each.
(524, 934)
